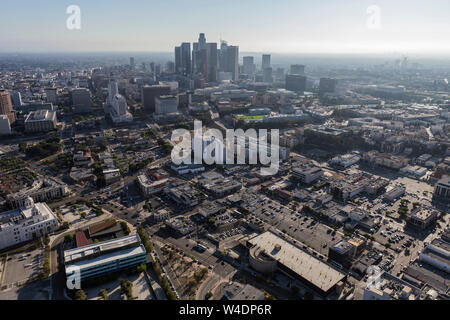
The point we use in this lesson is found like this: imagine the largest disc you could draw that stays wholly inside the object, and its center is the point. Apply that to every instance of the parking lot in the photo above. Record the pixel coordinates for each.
(22, 267)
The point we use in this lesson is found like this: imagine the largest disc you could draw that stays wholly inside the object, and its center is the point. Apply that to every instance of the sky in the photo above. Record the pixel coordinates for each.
(275, 26)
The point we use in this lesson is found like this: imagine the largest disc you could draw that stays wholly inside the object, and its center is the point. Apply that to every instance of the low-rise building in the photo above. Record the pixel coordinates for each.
(40, 190)
(40, 121)
(307, 173)
(105, 257)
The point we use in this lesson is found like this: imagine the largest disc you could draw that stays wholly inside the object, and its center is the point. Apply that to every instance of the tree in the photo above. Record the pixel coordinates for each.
(126, 288)
(80, 295)
(103, 294)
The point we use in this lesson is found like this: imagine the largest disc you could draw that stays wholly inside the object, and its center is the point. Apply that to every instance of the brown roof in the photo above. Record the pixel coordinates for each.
(102, 226)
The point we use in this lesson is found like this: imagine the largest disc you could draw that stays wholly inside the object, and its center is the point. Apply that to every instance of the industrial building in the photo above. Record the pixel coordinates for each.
(268, 253)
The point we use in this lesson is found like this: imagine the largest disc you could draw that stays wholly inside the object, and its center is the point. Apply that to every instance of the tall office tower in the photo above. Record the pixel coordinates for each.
(265, 61)
(6, 106)
(211, 61)
(51, 95)
(186, 58)
(297, 69)
(296, 83)
(233, 61)
(81, 100)
(177, 59)
(267, 75)
(16, 99)
(249, 65)
(170, 67)
(149, 93)
(201, 42)
(132, 65)
(223, 60)
(327, 85)
(113, 89)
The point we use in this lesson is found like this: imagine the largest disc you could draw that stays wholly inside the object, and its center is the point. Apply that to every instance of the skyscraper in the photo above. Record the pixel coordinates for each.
(265, 61)
(6, 107)
(149, 93)
(177, 59)
(267, 75)
(296, 83)
(233, 61)
(223, 60)
(81, 100)
(211, 61)
(297, 69)
(327, 85)
(132, 65)
(186, 58)
(249, 65)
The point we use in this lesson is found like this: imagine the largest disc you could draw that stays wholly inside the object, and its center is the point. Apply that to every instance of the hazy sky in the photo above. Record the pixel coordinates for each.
(277, 26)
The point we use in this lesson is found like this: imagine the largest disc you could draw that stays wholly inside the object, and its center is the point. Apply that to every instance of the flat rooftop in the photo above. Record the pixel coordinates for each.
(305, 265)
(97, 261)
(86, 251)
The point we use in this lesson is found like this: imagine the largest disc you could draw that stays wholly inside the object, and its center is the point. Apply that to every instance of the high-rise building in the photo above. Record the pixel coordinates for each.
(149, 93)
(267, 75)
(211, 61)
(132, 64)
(51, 95)
(81, 100)
(16, 99)
(177, 59)
(6, 106)
(298, 69)
(233, 61)
(265, 61)
(296, 83)
(327, 85)
(249, 65)
(186, 58)
(223, 59)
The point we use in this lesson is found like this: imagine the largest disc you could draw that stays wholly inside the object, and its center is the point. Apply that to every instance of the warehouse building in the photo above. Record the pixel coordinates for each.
(268, 253)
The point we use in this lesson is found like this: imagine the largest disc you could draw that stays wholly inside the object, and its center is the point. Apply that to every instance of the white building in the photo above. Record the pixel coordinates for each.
(307, 173)
(26, 223)
(119, 110)
(166, 104)
(40, 121)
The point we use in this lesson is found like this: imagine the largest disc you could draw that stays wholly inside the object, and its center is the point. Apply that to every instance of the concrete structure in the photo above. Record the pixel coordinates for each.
(345, 161)
(6, 106)
(119, 110)
(40, 190)
(166, 104)
(40, 121)
(298, 69)
(5, 127)
(442, 189)
(105, 257)
(81, 100)
(307, 173)
(327, 85)
(276, 253)
(437, 254)
(296, 83)
(26, 223)
(149, 93)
